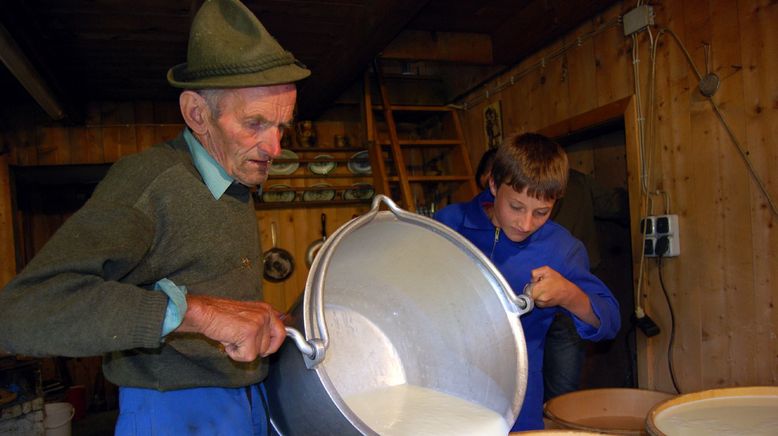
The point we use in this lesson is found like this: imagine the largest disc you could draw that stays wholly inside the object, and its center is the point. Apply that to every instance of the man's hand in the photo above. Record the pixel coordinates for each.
(247, 329)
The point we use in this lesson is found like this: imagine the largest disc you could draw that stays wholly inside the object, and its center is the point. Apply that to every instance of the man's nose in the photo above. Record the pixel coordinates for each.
(273, 142)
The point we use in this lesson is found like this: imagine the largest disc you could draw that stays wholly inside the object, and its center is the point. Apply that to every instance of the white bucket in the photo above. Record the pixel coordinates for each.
(57, 418)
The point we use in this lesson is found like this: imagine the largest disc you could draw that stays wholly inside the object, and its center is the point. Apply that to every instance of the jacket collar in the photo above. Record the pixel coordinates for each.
(475, 214)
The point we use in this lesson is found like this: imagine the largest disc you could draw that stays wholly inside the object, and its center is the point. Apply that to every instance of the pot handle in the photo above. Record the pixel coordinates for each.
(313, 350)
(523, 301)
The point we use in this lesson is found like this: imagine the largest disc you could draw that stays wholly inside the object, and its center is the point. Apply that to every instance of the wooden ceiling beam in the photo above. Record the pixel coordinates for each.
(420, 45)
(380, 22)
(544, 20)
(21, 67)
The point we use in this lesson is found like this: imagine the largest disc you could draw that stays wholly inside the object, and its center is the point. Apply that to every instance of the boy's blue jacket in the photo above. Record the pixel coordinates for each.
(551, 245)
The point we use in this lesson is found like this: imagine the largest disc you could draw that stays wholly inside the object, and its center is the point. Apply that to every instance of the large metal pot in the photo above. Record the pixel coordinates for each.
(394, 298)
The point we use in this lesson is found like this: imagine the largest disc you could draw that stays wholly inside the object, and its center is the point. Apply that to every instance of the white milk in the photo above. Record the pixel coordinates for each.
(741, 415)
(413, 410)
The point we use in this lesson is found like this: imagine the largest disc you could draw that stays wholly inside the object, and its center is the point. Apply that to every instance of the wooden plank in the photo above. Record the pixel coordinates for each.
(738, 255)
(7, 242)
(673, 124)
(118, 141)
(581, 71)
(614, 61)
(22, 139)
(86, 145)
(542, 18)
(53, 146)
(417, 45)
(381, 21)
(706, 176)
(759, 40)
(145, 136)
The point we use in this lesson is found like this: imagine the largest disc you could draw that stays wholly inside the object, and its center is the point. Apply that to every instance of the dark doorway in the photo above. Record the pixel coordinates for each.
(599, 152)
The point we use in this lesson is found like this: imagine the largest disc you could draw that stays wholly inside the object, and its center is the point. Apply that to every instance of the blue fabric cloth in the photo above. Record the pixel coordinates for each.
(198, 411)
(214, 176)
(550, 245)
(563, 358)
(176, 305)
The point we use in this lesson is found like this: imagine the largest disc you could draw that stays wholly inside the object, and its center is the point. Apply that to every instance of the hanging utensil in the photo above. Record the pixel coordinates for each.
(279, 263)
(310, 254)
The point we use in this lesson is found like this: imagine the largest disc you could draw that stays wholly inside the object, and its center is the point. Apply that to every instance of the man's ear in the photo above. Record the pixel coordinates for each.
(492, 186)
(194, 110)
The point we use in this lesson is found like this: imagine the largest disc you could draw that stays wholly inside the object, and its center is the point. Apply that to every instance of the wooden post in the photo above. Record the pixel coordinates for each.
(7, 251)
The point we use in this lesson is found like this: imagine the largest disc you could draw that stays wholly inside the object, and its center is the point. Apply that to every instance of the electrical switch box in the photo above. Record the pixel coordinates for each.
(638, 19)
(661, 234)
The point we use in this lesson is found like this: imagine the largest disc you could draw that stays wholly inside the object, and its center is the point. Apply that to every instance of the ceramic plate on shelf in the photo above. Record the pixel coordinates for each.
(320, 192)
(322, 164)
(289, 164)
(360, 163)
(278, 194)
(359, 191)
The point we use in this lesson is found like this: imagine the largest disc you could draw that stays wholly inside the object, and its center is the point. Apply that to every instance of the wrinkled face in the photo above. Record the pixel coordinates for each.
(518, 214)
(247, 134)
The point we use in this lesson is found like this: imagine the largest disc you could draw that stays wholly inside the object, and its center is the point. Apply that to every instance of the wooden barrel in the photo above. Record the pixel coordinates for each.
(607, 410)
(743, 410)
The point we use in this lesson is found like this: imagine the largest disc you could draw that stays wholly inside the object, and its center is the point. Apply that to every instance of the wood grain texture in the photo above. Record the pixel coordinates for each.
(7, 242)
(722, 287)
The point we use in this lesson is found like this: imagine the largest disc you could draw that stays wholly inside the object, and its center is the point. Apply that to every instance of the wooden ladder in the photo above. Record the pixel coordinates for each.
(422, 172)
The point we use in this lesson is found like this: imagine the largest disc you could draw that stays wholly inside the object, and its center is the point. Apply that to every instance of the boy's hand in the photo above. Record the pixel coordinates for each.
(549, 288)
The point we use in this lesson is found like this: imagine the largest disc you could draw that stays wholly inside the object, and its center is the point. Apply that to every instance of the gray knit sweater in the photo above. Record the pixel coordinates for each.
(89, 290)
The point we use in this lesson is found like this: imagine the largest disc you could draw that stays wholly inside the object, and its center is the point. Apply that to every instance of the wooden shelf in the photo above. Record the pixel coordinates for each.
(300, 203)
(323, 149)
(453, 142)
(427, 179)
(359, 177)
(414, 108)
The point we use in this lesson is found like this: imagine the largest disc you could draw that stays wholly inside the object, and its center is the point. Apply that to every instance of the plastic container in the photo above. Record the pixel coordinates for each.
(607, 410)
(57, 417)
(751, 410)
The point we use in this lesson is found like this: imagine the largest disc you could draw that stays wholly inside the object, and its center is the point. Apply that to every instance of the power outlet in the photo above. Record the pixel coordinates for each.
(661, 233)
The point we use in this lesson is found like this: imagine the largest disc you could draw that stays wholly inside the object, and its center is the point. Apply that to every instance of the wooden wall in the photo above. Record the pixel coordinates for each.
(113, 130)
(724, 286)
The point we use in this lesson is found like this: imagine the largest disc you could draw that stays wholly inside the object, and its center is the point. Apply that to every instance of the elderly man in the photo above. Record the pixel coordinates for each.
(160, 271)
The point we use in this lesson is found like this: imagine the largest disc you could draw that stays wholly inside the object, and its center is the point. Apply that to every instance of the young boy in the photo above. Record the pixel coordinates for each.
(510, 223)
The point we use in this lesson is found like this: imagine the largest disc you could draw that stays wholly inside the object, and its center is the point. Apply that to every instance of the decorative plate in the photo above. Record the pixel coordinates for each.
(284, 168)
(278, 194)
(360, 163)
(359, 191)
(319, 193)
(322, 164)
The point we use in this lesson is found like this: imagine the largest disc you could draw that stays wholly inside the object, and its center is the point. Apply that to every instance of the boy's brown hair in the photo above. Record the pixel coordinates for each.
(534, 162)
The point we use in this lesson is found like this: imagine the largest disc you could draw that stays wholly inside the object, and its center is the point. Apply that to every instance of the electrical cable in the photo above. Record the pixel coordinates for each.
(631, 357)
(672, 327)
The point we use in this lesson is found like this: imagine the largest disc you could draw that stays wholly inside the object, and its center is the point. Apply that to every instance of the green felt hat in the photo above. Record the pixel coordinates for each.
(230, 48)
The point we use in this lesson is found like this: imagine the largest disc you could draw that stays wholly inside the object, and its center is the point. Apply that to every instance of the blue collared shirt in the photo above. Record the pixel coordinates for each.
(215, 177)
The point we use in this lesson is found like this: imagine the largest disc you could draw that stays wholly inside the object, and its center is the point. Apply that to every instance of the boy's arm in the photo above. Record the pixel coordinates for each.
(549, 288)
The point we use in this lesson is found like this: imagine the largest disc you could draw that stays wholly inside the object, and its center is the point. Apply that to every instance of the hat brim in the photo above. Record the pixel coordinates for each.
(274, 76)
